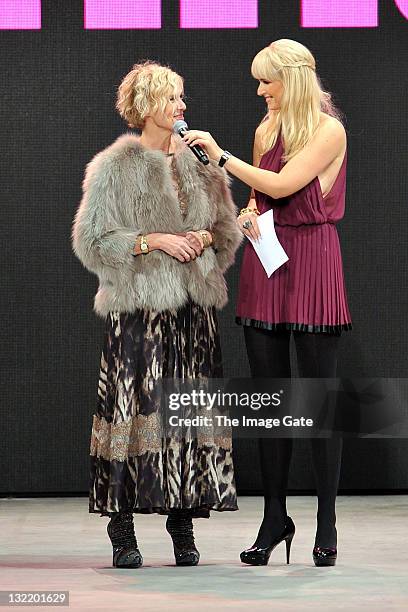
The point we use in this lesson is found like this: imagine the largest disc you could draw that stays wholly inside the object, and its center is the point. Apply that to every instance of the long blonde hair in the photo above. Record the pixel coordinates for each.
(303, 97)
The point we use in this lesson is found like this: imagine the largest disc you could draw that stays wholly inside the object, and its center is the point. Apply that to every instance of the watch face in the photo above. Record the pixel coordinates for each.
(224, 158)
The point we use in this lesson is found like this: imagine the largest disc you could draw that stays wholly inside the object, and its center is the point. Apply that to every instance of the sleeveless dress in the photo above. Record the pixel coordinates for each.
(307, 293)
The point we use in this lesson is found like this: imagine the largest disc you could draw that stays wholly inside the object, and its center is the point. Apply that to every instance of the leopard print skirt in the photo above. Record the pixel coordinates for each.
(134, 467)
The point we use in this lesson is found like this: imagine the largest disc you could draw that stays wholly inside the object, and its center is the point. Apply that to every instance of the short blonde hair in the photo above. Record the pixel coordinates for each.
(145, 89)
(303, 97)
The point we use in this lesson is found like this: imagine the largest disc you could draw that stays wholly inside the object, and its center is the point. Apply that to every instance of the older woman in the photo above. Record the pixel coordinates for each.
(299, 171)
(158, 228)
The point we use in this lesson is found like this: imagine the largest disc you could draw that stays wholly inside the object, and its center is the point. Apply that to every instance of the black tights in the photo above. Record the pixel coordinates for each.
(269, 357)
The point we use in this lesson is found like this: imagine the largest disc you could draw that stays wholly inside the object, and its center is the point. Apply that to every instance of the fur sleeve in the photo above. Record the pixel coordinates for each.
(101, 235)
(226, 234)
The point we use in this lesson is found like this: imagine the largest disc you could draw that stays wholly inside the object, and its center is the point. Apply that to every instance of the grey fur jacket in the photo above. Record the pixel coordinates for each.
(128, 191)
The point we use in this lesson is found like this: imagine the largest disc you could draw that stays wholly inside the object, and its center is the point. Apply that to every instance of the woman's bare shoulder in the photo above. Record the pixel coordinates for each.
(330, 138)
(331, 126)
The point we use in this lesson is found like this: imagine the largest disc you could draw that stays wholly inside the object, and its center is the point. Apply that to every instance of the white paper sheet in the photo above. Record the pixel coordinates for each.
(268, 248)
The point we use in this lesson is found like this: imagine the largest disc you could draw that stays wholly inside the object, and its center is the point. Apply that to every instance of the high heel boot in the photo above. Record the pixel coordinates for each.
(260, 556)
(122, 535)
(179, 525)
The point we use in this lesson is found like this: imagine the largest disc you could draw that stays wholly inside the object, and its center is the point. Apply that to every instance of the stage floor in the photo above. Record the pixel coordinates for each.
(55, 544)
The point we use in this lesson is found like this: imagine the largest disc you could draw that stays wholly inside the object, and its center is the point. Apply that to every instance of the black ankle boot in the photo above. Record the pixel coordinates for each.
(179, 525)
(122, 535)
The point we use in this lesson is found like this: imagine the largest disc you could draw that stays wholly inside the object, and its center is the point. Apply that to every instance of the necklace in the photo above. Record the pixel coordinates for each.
(176, 183)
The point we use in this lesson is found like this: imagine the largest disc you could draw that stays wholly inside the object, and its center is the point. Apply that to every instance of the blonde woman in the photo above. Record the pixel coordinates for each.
(299, 170)
(159, 230)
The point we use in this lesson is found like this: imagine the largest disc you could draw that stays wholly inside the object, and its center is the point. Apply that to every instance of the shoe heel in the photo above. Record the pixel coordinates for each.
(288, 545)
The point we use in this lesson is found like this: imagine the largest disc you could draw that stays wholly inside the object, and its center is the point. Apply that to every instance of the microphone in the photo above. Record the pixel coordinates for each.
(181, 128)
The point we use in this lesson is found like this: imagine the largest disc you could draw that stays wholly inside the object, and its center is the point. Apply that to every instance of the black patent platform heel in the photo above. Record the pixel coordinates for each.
(324, 557)
(260, 556)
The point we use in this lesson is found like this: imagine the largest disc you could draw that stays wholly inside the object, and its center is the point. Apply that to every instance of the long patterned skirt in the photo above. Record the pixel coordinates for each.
(133, 466)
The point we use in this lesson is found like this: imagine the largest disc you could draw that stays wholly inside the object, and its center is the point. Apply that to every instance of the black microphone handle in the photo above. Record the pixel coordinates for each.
(198, 151)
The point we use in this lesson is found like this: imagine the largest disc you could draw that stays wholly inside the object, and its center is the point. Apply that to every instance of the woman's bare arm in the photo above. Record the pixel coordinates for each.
(314, 159)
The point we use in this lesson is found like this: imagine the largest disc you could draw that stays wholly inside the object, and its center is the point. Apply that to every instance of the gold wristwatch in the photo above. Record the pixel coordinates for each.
(144, 247)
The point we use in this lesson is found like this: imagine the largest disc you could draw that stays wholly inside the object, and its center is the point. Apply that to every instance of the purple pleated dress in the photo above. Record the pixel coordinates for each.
(307, 293)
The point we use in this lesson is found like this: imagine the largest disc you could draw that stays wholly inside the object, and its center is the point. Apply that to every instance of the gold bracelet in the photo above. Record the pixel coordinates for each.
(247, 211)
(205, 238)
